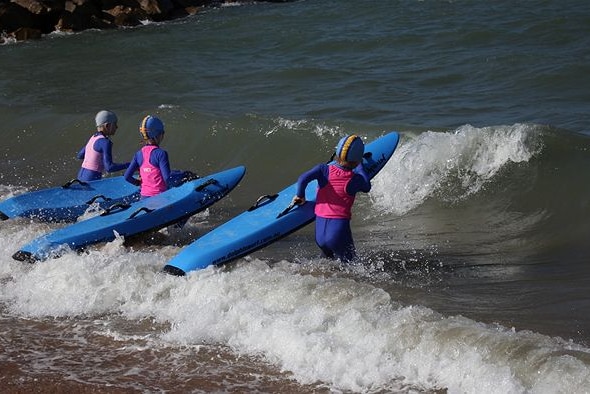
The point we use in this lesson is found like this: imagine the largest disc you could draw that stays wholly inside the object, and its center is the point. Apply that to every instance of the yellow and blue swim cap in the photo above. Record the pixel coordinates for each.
(350, 148)
(151, 127)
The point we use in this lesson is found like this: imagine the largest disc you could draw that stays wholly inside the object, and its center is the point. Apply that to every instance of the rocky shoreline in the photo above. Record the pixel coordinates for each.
(31, 19)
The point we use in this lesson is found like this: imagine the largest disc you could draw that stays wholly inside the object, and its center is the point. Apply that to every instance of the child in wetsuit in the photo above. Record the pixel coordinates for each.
(151, 161)
(97, 153)
(338, 185)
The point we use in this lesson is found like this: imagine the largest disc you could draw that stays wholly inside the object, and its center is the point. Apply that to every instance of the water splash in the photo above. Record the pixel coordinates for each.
(450, 166)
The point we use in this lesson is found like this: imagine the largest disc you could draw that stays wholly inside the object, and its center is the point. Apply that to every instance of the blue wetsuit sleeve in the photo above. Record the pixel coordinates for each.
(81, 153)
(360, 182)
(132, 168)
(159, 158)
(319, 173)
(165, 168)
(105, 146)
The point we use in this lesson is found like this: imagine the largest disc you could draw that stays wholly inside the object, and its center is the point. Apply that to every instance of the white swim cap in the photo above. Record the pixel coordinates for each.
(105, 117)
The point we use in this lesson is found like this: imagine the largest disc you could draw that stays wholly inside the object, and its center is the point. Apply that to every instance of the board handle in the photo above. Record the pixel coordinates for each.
(119, 206)
(286, 210)
(204, 185)
(142, 209)
(70, 183)
(93, 199)
(262, 199)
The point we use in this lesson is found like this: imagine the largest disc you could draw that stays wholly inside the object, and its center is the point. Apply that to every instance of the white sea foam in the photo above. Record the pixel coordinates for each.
(314, 324)
(11, 191)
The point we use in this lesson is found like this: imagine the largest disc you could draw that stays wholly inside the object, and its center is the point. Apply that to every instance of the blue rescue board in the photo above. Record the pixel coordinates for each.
(66, 203)
(152, 213)
(271, 218)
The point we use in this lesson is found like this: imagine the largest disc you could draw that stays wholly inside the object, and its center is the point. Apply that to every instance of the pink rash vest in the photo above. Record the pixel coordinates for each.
(332, 200)
(152, 181)
(92, 158)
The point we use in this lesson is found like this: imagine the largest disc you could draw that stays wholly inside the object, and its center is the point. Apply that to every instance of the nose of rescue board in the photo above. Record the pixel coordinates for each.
(168, 269)
(26, 257)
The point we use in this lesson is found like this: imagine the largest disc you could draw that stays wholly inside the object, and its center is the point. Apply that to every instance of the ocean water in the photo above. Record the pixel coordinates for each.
(473, 274)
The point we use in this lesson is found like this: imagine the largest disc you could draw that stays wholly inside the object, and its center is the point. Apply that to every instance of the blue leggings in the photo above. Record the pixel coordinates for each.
(334, 237)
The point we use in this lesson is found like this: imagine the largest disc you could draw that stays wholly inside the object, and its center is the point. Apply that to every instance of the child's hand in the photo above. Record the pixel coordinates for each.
(189, 176)
(298, 200)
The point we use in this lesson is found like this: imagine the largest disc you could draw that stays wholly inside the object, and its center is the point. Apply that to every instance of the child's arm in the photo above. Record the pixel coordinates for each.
(106, 146)
(81, 153)
(131, 169)
(164, 165)
(360, 182)
(319, 173)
